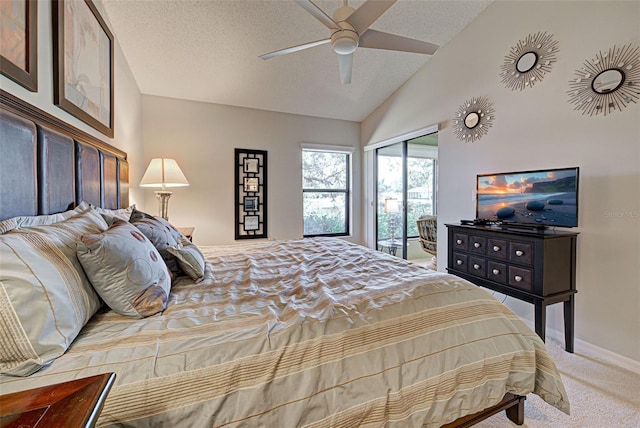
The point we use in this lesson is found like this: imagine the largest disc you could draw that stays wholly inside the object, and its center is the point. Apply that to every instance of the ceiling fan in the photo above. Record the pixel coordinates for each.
(350, 30)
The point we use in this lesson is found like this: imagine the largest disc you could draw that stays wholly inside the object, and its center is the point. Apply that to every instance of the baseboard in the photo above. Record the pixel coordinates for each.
(580, 346)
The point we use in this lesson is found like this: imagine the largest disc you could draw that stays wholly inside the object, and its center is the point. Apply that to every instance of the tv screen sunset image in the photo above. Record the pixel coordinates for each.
(541, 197)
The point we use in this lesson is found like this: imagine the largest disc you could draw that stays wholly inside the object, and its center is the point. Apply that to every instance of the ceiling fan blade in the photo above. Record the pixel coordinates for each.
(380, 40)
(317, 13)
(293, 49)
(345, 62)
(368, 13)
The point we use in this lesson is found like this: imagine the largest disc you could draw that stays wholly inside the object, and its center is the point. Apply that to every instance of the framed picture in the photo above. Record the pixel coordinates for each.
(83, 64)
(19, 42)
(250, 165)
(251, 222)
(251, 203)
(251, 184)
(251, 194)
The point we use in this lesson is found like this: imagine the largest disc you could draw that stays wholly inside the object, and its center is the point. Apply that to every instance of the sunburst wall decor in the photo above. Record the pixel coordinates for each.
(473, 119)
(529, 61)
(607, 83)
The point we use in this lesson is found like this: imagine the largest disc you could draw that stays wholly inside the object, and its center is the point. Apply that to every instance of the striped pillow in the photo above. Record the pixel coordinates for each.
(41, 220)
(45, 296)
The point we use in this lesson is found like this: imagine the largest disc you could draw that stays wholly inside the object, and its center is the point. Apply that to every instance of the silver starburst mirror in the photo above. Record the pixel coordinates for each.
(609, 82)
(473, 119)
(528, 61)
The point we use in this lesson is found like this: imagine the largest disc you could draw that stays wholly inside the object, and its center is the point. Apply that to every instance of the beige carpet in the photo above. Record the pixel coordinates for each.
(601, 395)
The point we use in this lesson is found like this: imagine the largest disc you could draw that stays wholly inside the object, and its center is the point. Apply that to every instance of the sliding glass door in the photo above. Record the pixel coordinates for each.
(390, 187)
(406, 189)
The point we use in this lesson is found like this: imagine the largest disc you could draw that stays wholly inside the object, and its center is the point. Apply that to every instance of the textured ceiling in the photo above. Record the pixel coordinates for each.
(208, 51)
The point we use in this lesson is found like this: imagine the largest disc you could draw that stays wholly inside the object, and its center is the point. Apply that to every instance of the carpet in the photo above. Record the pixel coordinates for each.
(601, 395)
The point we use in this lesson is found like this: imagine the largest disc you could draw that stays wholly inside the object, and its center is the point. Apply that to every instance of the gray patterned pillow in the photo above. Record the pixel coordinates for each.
(45, 296)
(126, 270)
(162, 235)
(190, 259)
(137, 215)
(110, 216)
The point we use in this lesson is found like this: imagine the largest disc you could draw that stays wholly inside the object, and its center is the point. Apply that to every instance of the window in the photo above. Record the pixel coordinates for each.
(325, 191)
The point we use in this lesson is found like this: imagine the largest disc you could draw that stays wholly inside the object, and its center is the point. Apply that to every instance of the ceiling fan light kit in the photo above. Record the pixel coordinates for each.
(345, 40)
(350, 30)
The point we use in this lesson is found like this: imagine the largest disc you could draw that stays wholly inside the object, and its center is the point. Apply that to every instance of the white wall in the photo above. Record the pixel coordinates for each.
(537, 128)
(202, 138)
(128, 112)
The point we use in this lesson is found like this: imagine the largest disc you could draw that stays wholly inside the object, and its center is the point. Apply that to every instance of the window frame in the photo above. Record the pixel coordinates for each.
(348, 153)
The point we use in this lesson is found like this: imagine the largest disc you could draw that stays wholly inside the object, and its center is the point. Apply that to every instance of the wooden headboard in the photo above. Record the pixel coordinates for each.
(48, 166)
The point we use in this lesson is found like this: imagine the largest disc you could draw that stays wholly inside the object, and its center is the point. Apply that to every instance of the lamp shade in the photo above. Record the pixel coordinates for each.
(391, 206)
(163, 173)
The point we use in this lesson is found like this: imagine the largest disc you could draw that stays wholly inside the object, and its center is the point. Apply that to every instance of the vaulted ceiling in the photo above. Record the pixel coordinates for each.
(208, 51)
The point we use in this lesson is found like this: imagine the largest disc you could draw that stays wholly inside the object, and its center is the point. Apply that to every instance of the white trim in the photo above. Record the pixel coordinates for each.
(327, 148)
(408, 136)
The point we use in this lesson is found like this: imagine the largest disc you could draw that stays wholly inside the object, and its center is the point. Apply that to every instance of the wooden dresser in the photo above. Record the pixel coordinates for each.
(538, 267)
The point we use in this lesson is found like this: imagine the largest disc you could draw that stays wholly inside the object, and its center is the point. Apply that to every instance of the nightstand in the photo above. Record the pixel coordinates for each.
(187, 232)
(76, 403)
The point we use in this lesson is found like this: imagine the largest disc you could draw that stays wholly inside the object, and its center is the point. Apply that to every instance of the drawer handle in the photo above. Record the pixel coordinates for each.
(518, 278)
(476, 266)
(459, 262)
(496, 271)
(519, 253)
(476, 244)
(459, 242)
(496, 248)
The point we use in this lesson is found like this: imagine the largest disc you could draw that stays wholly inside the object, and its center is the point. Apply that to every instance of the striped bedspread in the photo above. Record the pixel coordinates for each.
(309, 333)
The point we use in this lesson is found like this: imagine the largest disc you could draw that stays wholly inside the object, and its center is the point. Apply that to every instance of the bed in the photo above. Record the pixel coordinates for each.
(308, 332)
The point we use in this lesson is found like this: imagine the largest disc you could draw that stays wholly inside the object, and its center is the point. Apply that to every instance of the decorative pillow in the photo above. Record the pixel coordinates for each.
(162, 235)
(41, 220)
(138, 215)
(190, 259)
(45, 296)
(126, 270)
(110, 216)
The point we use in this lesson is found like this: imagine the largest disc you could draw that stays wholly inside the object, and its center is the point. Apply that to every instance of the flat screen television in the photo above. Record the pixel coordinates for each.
(538, 199)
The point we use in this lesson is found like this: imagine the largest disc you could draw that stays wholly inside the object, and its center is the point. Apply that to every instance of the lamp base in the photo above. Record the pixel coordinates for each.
(163, 203)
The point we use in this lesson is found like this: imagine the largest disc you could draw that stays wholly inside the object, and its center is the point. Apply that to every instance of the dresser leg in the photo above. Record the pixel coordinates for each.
(540, 318)
(569, 310)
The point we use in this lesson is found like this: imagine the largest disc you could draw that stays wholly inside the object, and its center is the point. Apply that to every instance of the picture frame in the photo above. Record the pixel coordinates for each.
(251, 184)
(83, 64)
(250, 194)
(19, 42)
(251, 203)
(250, 165)
(251, 222)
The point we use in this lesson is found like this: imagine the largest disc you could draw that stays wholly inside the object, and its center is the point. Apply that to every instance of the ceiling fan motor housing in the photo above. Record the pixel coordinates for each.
(344, 41)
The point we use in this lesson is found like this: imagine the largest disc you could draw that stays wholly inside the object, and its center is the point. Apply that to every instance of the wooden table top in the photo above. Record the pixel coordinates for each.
(76, 403)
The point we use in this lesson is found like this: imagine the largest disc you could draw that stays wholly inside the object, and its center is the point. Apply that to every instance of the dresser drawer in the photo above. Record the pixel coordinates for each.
(477, 266)
(521, 278)
(497, 272)
(521, 252)
(478, 244)
(460, 241)
(535, 266)
(497, 248)
(460, 262)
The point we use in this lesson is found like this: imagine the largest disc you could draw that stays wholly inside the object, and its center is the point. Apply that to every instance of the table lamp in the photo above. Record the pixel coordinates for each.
(392, 207)
(163, 173)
